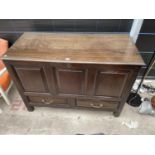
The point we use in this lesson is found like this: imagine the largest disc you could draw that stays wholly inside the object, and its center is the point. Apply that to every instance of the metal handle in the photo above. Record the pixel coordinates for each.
(47, 102)
(96, 106)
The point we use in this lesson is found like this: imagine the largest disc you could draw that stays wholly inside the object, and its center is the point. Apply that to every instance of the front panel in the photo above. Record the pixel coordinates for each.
(70, 81)
(57, 84)
(32, 79)
(110, 83)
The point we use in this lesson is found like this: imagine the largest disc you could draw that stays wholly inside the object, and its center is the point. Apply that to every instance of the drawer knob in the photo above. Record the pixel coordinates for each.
(47, 102)
(96, 106)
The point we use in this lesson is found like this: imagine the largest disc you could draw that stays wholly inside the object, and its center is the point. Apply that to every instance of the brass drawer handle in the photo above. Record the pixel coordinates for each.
(96, 106)
(47, 102)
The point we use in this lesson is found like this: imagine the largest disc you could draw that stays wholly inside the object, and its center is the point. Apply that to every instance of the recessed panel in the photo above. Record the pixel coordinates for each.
(70, 81)
(32, 79)
(110, 83)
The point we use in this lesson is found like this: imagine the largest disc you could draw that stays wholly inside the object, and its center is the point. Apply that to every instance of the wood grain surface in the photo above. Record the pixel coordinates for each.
(75, 48)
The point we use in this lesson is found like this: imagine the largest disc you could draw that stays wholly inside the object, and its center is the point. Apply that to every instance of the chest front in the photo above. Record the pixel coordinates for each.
(61, 77)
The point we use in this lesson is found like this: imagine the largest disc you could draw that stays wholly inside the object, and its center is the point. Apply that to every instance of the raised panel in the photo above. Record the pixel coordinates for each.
(70, 81)
(110, 83)
(32, 79)
(47, 100)
(96, 104)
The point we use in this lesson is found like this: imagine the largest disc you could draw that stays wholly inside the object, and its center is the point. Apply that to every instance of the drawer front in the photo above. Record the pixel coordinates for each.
(97, 104)
(47, 101)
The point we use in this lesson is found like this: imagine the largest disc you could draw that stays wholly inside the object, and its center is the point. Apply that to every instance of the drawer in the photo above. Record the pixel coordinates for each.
(96, 104)
(38, 100)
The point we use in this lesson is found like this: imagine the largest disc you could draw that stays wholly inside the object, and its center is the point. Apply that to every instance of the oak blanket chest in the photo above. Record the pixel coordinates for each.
(94, 71)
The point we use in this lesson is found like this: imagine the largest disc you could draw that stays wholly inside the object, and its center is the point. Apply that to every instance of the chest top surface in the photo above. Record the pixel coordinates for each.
(75, 48)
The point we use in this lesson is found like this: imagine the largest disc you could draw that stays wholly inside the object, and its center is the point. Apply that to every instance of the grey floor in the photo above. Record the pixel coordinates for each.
(15, 119)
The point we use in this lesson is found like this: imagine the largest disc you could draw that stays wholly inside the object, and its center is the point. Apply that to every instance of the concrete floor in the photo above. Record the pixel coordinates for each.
(15, 119)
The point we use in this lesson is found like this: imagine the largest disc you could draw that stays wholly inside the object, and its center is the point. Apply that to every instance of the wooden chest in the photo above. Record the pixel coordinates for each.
(94, 71)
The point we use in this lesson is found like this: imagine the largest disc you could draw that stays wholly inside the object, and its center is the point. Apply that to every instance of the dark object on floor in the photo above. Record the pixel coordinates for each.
(153, 101)
(149, 88)
(134, 98)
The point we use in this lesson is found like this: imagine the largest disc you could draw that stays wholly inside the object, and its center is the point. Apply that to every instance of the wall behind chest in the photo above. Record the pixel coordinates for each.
(11, 29)
(146, 43)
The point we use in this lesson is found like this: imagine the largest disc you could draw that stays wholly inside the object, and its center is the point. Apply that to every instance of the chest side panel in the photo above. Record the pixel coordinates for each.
(110, 82)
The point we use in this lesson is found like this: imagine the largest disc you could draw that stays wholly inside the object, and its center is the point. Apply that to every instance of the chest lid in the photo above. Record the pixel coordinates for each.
(75, 48)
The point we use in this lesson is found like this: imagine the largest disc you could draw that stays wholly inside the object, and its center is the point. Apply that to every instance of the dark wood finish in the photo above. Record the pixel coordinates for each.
(116, 79)
(97, 104)
(47, 100)
(75, 48)
(29, 75)
(74, 78)
(19, 86)
(74, 70)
